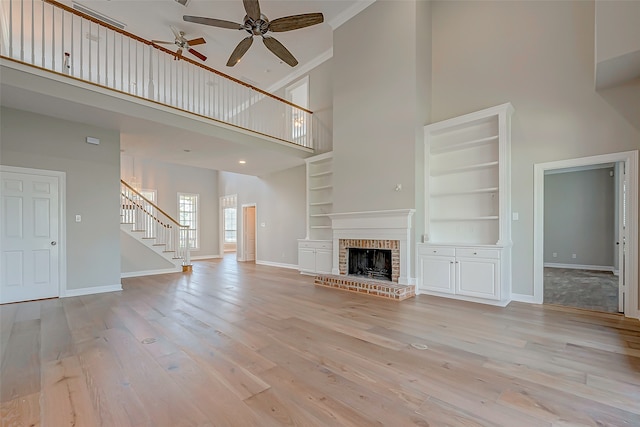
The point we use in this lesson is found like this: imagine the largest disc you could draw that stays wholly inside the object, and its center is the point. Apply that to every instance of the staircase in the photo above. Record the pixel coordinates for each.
(150, 225)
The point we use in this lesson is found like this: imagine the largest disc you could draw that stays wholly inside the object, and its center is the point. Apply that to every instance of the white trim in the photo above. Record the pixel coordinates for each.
(630, 158)
(484, 301)
(201, 257)
(278, 264)
(579, 168)
(580, 266)
(91, 290)
(149, 272)
(62, 211)
(523, 298)
(301, 71)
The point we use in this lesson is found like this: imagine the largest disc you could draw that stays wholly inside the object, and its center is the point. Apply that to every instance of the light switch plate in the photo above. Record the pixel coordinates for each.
(78, 218)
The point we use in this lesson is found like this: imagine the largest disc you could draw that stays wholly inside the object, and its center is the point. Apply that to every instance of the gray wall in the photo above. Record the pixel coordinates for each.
(540, 57)
(280, 199)
(579, 217)
(374, 108)
(170, 179)
(92, 187)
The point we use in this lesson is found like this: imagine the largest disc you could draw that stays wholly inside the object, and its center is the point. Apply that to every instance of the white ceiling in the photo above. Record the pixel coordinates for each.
(151, 20)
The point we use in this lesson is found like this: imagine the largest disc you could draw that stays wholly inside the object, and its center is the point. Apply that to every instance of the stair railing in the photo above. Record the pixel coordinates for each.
(154, 223)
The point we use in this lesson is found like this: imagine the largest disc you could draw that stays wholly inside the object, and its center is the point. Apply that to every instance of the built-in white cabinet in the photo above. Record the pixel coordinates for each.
(467, 241)
(315, 256)
(315, 251)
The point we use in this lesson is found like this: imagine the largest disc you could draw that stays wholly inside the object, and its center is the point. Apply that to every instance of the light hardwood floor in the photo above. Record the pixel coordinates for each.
(244, 345)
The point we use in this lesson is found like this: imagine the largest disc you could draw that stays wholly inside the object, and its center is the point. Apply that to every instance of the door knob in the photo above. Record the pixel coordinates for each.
(54, 243)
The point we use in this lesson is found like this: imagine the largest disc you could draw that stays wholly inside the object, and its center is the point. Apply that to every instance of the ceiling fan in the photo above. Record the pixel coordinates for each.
(257, 24)
(184, 44)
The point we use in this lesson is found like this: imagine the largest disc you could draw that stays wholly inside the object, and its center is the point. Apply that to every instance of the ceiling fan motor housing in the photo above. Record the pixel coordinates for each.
(258, 27)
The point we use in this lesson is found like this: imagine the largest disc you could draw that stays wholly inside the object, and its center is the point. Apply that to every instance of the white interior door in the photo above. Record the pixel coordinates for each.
(30, 249)
(249, 227)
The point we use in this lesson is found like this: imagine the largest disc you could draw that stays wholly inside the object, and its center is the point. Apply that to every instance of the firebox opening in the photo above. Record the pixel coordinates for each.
(370, 263)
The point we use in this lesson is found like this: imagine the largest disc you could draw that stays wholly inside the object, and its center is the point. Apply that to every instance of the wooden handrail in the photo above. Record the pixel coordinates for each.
(184, 58)
(151, 203)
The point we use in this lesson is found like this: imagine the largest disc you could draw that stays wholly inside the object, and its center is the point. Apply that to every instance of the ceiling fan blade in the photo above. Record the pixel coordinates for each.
(239, 51)
(252, 8)
(161, 42)
(197, 54)
(213, 22)
(196, 42)
(294, 22)
(279, 50)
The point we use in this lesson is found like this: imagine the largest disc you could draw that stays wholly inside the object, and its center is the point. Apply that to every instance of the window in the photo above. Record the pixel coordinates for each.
(188, 215)
(230, 225)
(230, 220)
(298, 93)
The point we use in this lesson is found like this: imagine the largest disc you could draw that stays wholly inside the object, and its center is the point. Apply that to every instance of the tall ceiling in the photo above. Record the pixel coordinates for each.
(151, 20)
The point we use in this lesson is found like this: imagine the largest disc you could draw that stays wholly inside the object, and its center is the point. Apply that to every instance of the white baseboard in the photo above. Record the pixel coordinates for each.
(91, 290)
(201, 257)
(149, 272)
(580, 266)
(524, 298)
(278, 264)
(498, 303)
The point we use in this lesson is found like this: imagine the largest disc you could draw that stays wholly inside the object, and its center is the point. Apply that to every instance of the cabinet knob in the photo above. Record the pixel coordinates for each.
(435, 252)
(475, 253)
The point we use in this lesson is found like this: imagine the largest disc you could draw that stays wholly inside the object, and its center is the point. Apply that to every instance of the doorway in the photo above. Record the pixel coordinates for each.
(33, 250)
(249, 238)
(626, 236)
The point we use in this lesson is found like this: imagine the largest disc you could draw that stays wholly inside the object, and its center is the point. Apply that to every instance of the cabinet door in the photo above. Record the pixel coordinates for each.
(478, 277)
(324, 261)
(307, 260)
(437, 273)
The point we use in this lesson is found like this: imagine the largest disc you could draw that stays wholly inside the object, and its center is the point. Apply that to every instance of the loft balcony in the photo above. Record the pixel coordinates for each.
(47, 38)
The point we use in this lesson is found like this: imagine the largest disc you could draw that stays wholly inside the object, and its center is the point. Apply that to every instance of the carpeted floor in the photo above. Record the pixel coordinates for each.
(593, 290)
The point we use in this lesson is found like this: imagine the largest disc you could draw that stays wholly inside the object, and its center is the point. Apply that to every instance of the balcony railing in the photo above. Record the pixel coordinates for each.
(57, 38)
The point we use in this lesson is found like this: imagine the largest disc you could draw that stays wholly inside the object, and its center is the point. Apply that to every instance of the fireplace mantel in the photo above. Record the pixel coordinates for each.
(374, 225)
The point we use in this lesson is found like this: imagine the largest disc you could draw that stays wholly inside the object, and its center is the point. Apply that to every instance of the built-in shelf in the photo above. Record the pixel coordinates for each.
(465, 192)
(324, 187)
(463, 145)
(319, 196)
(466, 252)
(466, 168)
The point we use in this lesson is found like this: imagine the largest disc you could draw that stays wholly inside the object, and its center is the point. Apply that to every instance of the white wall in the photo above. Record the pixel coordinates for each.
(137, 258)
(579, 217)
(540, 57)
(92, 187)
(170, 179)
(280, 199)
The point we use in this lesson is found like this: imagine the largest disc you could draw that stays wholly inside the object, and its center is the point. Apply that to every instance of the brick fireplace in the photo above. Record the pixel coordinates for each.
(392, 245)
(372, 230)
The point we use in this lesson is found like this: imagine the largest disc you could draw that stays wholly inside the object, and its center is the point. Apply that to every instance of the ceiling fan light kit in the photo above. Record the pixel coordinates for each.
(257, 24)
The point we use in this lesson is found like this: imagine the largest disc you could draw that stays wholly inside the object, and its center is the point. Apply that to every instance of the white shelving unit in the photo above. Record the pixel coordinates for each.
(466, 249)
(315, 251)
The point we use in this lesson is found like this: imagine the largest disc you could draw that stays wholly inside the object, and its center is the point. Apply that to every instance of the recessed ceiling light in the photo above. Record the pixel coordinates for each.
(242, 162)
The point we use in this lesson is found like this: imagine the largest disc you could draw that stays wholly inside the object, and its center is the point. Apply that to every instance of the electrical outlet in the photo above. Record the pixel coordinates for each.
(573, 256)
(555, 254)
